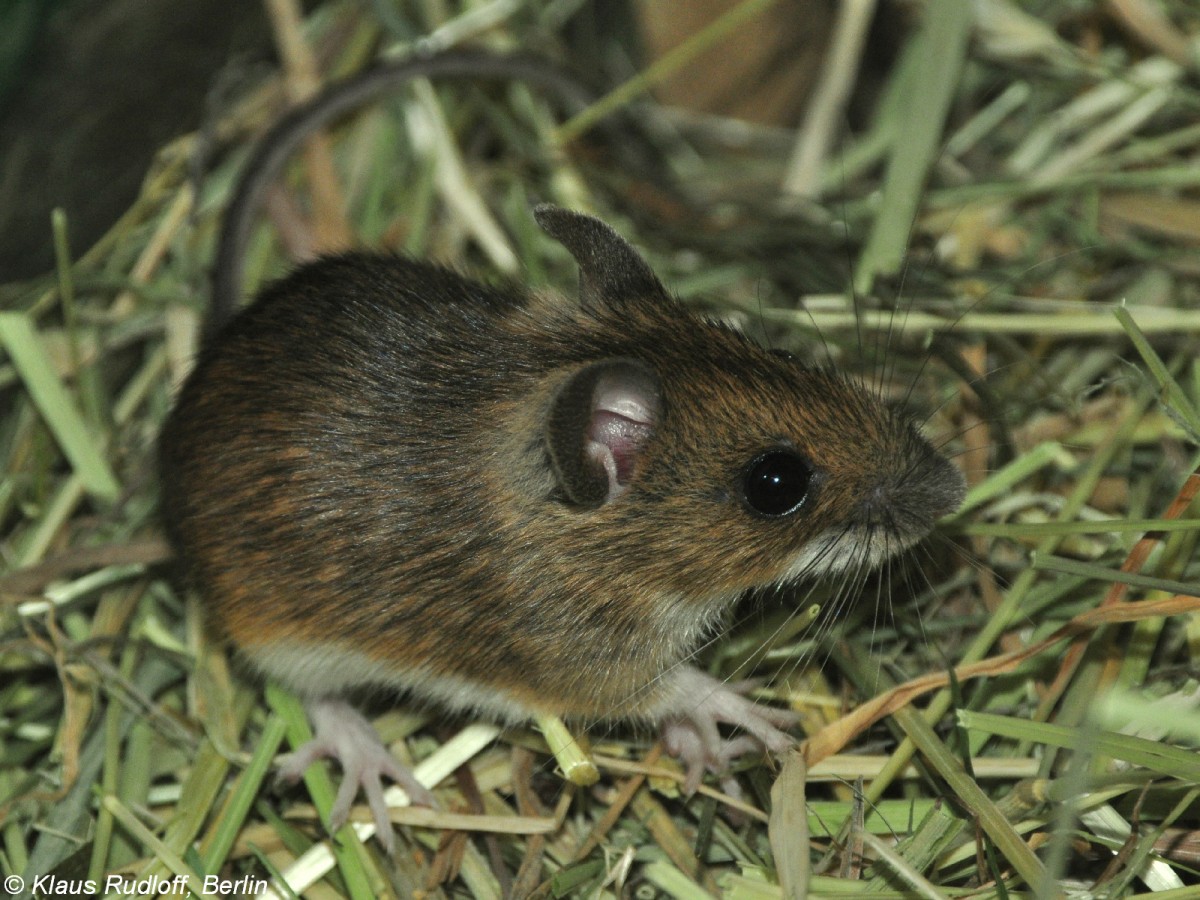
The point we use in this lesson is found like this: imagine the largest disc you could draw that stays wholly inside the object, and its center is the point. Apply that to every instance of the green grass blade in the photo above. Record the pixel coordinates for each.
(1107, 575)
(1174, 762)
(84, 451)
(1176, 399)
(941, 45)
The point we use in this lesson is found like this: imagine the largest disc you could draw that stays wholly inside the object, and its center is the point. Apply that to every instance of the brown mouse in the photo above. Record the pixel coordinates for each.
(382, 474)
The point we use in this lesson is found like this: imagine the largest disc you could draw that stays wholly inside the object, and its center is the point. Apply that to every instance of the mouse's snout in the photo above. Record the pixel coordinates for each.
(910, 499)
(947, 487)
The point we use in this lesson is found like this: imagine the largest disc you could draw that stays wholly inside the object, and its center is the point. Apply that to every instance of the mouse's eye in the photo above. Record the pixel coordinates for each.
(776, 483)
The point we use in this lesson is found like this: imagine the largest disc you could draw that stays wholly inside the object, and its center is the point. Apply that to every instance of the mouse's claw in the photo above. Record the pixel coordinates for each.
(342, 734)
(690, 733)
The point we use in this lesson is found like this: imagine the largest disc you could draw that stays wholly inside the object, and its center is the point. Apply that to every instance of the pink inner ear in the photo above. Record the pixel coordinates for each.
(622, 438)
(623, 416)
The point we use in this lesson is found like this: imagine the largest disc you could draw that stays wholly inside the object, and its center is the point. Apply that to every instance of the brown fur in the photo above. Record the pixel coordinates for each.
(359, 460)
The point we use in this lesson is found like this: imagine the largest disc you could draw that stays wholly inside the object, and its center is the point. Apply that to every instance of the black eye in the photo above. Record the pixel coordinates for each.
(776, 483)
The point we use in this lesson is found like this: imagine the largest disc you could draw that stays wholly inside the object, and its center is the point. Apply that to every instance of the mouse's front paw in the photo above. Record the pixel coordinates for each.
(342, 734)
(698, 705)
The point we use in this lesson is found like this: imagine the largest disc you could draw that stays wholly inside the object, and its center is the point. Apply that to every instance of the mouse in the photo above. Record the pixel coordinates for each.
(385, 475)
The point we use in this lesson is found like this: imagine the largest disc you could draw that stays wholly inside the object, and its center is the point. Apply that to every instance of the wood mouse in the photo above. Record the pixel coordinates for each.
(383, 474)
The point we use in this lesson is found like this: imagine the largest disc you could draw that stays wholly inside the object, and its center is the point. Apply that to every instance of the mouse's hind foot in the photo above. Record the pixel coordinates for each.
(342, 734)
(695, 708)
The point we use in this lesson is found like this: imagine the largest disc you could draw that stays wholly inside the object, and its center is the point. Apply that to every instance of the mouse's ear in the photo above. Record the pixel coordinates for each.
(610, 270)
(598, 425)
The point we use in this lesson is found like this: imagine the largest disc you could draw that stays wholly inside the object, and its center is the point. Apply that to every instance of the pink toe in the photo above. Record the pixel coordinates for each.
(344, 735)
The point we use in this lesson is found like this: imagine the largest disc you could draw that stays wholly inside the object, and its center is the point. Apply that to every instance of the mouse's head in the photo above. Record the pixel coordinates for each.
(710, 463)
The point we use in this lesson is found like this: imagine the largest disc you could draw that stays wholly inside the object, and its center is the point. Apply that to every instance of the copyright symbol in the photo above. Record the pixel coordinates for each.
(14, 884)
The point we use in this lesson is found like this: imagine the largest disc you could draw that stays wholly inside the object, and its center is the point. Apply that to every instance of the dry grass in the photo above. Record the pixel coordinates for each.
(1019, 220)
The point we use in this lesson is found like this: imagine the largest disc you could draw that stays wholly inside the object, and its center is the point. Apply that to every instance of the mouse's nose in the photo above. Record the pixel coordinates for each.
(910, 499)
